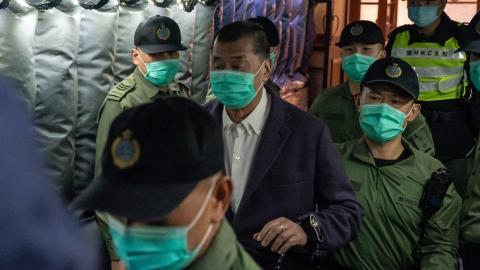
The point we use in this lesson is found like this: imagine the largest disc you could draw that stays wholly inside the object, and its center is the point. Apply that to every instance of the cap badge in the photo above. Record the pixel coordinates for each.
(125, 150)
(394, 70)
(163, 33)
(477, 28)
(356, 30)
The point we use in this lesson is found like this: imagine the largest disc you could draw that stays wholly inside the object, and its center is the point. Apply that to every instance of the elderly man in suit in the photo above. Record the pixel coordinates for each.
(292, 199)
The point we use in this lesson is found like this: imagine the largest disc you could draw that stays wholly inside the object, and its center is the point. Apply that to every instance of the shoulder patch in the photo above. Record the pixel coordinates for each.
(118, 92)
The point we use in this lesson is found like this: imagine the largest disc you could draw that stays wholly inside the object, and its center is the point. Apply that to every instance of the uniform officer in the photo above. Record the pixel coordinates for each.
(361, 43)
(164, 191)
(470, 223)
(157, 42)
(430, 46)
(389, 176)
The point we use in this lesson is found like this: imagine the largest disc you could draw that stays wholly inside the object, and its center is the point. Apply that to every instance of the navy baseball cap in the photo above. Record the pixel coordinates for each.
(365, 32)
(158, 34)
(393, 71)
(155, 156)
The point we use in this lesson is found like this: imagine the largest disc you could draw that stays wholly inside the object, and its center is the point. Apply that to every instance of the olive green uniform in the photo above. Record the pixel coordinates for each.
(225, 253)
(471, 205)
(390, 196)
(337, 108)
(133, 91)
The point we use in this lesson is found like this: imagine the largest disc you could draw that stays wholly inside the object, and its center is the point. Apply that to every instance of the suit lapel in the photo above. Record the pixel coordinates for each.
(275, 134)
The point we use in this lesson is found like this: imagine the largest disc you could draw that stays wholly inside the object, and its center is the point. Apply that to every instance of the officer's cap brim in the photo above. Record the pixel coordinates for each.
(135, 200)
(397, 85)
(161, 48)
(471, 46)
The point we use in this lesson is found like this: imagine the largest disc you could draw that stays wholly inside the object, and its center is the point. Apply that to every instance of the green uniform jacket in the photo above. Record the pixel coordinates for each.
(390, 196)
(337, 108)
(471, 205)
(133, 91)
(225, 253)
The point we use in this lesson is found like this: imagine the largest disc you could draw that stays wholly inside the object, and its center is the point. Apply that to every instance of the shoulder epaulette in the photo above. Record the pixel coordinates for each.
(120, 90)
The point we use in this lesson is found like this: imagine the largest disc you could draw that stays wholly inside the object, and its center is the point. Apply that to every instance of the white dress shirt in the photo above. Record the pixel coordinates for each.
(241, 143)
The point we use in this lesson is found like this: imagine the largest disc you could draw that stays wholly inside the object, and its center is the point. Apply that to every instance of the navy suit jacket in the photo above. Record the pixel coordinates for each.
(296, 172)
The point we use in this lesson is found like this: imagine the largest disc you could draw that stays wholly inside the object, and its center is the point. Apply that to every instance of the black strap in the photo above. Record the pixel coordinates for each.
(4, 4)
(47, 5)
(432, 199)
(444, 116)
(97, 6)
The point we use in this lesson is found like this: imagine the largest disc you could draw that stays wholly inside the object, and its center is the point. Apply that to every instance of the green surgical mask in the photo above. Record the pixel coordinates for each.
(156, 247)
(356, 65)
(161, 73)
(234, 89)
(475, 74)
(381, 123)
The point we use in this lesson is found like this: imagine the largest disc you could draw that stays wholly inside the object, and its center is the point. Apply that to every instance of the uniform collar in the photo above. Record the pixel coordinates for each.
(345, 91)
(150, 90)
(444, 31)
(222, 252)
(255, 121)
(362, 152)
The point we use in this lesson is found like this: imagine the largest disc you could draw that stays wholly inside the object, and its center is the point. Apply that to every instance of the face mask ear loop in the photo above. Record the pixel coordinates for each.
(256, 73)
(202, 208)
(199, 214)
(141, 60)
(204, 239)
(406, 115)
(411, 109)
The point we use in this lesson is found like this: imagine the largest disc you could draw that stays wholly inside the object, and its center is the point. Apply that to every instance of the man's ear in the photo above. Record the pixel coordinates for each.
(356, 100)
(383, 54)
(222, 196)
(268, 69)
(134, 53)
(413, 114)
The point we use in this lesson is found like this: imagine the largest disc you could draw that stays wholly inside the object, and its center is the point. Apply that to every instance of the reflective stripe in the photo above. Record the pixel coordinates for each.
(426, 53)
(434, 96)
(443, 85)
(438, 71)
